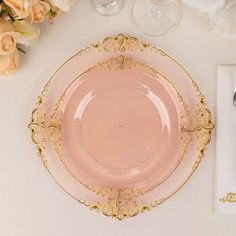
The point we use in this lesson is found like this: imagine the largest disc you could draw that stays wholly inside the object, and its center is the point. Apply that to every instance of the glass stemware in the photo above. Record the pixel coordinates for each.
(108, 7)
(157, 17)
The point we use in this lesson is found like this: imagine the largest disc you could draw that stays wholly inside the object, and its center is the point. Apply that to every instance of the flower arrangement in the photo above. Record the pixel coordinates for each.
(19, 26)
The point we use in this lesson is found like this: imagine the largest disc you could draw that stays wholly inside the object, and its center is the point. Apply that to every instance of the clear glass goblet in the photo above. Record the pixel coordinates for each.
(108, 7)
(157, 17)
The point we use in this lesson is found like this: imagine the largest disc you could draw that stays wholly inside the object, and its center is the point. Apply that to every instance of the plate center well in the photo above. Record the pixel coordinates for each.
(120, 123)
(120, 128)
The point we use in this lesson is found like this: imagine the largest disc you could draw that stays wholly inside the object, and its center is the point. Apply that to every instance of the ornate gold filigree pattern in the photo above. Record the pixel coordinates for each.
(119, 43)
(230, 198)
(38, 125)
(123, 43)
(121, 203)
(55, 129)
(203, 129)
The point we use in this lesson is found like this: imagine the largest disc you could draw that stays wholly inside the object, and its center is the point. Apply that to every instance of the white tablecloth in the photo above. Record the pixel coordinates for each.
(31, 204)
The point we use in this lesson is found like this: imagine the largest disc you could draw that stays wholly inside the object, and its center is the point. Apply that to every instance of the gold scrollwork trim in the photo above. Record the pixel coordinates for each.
(37, 123)
(121, 205)
(229, 198)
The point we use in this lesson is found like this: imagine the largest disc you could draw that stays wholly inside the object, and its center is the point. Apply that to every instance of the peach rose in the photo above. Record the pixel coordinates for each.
(7, 38)
(38, 12)
(9, 63)
(20, 7)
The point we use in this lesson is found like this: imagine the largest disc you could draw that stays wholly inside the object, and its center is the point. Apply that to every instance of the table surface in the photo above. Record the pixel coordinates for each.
(32, 204)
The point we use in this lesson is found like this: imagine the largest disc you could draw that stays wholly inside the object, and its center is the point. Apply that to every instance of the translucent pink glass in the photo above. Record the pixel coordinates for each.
(121, 129)
(169, 68)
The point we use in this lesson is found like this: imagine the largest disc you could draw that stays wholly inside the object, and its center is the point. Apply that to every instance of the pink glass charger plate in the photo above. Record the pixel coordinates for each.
(120, 126)
(121, 203)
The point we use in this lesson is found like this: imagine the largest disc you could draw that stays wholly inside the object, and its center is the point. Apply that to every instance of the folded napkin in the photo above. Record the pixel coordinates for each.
(226, 140)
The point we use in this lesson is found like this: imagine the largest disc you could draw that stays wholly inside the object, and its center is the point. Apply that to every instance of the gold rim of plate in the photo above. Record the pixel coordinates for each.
(121, 203)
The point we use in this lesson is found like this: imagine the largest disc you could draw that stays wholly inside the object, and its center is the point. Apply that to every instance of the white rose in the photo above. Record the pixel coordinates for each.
(224, 21)
(64, 5)
(206, 6)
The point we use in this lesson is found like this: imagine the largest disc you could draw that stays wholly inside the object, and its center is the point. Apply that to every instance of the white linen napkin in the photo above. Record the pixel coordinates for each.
(226, 140)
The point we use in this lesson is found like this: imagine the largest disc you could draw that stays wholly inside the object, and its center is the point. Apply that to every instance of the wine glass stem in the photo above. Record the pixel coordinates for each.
(155, 10)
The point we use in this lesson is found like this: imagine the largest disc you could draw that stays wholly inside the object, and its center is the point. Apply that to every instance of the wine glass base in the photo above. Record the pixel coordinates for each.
(157, 18)
(108, 7)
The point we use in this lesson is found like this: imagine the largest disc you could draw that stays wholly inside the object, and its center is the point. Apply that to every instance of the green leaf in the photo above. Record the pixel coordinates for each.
(21, 50)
